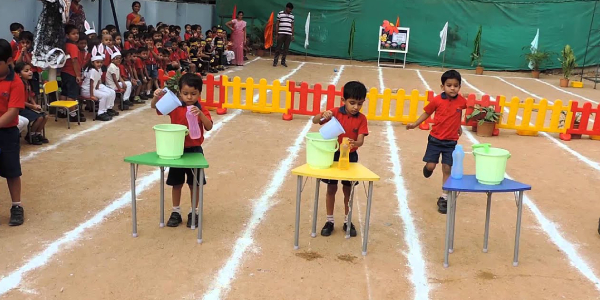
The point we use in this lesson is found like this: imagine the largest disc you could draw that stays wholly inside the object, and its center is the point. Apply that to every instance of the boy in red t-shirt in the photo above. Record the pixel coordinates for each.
(15, 30)
(12, 99)
(142, 70)
(446, 130)
(190, 89)
(128, 74)
(71, 71)
(355, 125)
(84, 55)
(25, 55)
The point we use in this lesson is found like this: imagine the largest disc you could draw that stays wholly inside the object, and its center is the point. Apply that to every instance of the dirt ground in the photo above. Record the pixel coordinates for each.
(76, 242)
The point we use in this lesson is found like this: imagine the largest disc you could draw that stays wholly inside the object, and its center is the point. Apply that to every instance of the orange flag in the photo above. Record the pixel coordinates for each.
(269, 33)
(234, 12)
(398, 22)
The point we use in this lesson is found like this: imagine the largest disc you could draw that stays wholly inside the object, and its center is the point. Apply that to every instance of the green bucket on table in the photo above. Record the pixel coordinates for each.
(319, 151)
(170, 139)
(490, 164)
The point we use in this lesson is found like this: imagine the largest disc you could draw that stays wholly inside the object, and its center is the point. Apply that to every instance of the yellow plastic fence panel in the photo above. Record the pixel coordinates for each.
(541, 109)
(413, 111)
(382, 111)
(260, 105)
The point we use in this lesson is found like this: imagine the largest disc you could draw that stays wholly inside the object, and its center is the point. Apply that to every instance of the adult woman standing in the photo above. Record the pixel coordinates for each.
(134, 18)
(238, 37)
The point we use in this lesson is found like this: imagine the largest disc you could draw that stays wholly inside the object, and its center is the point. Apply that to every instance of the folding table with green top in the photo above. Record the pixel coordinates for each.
(194, 161)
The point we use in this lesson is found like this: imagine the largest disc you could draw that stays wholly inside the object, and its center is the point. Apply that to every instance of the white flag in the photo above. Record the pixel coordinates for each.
(307, 30)
(534, 46)
(443, 35)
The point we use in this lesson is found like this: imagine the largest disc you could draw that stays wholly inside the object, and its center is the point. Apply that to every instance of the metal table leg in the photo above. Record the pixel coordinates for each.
(315, 209)
(518, 234)
(133, 207)
(350, 209)
(298, 198)
(367, 218)
(448, 229)
(200, 204)
(487, 223)
(454, 203)
(194, 197)
(162, 197)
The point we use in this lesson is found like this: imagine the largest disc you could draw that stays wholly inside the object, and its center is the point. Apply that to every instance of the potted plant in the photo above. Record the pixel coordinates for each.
(567, 62)
(537, 58)
(486, 117)
(477, 56)
(258, 40)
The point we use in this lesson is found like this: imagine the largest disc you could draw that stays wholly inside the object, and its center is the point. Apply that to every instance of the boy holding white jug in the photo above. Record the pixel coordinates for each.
(446, 130)
(355, 126)
(190, 88)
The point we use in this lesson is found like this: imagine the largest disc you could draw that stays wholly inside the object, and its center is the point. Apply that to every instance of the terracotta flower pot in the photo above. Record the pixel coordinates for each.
(260, 52)
(535, 74)
(486, 129)
(576, 136)
(564, 82)
(479, 70)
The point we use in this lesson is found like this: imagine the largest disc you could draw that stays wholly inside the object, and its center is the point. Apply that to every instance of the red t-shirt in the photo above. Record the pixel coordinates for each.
(175, 56)
(139, 64)
(27, 59)
(448, 115)
(128, 45)
(183, 55)
(178, 117)
(187, 36)
(352, 124)
(151, 60)
(15, 48)
(84, 58)
(72, 50)
(107, 58)
(12, 95)
(123, 72)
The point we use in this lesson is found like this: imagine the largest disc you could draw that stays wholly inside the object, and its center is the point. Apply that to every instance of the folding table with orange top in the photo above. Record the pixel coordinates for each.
(355, 173)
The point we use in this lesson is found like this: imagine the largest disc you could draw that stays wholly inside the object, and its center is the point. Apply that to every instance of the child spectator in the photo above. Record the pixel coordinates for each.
(112, 29)
(93, 88)
(188, 32)
(118, 41)
(90, 32)
(151, 65)
(137, 42)
(181, 56)
(15, 30)
(25, 55)
(129, 41)
(190, 89)
(128, 73)
(107, 49)
(82, 45)
(11, 101)
(219, 42)
(446, 130)
(134, 29)
(142, 70)
(105, 32)
(71, 71)
(23, 123)
(178, 33)
(33, 112)
(355, 125)
(115, 82)
(163, 60)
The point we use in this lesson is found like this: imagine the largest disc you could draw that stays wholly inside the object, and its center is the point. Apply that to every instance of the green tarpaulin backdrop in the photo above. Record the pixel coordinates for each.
(508, 26)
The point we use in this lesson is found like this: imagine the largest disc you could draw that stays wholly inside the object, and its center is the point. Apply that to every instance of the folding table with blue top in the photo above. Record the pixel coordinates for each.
(469, 184)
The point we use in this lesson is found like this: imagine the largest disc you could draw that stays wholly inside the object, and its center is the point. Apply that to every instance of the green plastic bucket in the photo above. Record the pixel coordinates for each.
(490, 164)
(169, 140)
(319, 151)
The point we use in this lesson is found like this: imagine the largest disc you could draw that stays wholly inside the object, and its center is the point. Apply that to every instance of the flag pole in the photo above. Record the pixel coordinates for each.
(443, 60)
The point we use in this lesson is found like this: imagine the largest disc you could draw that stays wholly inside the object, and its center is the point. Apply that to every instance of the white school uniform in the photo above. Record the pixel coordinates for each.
(106, 96)
(114, 70)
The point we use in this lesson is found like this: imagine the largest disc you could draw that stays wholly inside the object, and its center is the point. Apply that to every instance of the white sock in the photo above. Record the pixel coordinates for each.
(16, 204)
(191, 210)
(330, 218)
(177, 209)
(445, 196)
(346, 219)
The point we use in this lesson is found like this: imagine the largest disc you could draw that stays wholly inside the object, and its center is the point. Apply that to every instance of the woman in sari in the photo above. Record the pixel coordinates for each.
(134, 18)
(238, 37)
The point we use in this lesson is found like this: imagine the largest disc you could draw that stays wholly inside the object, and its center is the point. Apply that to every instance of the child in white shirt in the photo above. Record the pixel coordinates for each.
(93, 88)
(115, 82)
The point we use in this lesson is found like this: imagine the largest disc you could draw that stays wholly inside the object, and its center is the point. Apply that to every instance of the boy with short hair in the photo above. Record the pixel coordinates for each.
(151, 62)
(15, 30)
(142, 71)
(25, 55)
(71, 71)
(355, 125)
(446, 130)
(190, 89)
(12, 99)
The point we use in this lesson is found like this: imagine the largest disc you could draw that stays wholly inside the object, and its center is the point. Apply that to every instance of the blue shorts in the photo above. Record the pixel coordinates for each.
(10, 146)
(152, 71)
(336, 157)
(436, 147)
(69, 86)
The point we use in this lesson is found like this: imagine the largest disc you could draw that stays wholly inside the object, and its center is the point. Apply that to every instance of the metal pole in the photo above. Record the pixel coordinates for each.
(99, 16)
(114, 13)
(587, 46)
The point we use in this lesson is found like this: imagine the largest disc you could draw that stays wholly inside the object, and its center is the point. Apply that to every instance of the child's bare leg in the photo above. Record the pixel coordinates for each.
(446, 170)
(14, 187)
(347, 190)
(37, 125)
(192, 196)
(175, 218)
(430, 166)
(330, 203)
(176, 195)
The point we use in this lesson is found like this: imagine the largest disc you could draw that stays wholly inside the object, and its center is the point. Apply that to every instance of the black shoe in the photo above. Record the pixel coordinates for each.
(43, 139)
(274, 63)
(174, 220)
(189, 221)
(128, 103)
(74, 119)
(284, 64)
(62, 114)
(17, 215)
(143, 97)
(352, 229)
(111, 112)
(426, 172)
(442, 205)
(125, 107)
(327, 229)
(32, 140)
(104, 117)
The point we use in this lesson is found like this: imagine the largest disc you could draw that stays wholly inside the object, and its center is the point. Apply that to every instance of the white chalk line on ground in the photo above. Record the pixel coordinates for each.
(40, 259)
(548, 226)
(567, 92)
(416, 261)
(95, 127)
(221, 284)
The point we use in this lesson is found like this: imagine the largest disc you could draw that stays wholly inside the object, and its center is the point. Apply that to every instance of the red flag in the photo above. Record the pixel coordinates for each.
(269, 33)
(398, 21)
(234, 12)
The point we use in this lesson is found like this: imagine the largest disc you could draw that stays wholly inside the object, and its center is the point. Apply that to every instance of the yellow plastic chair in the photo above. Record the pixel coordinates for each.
(52, 87)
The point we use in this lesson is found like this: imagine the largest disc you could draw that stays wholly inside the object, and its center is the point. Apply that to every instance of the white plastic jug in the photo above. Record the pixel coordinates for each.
(168, 102)
(331, 129)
